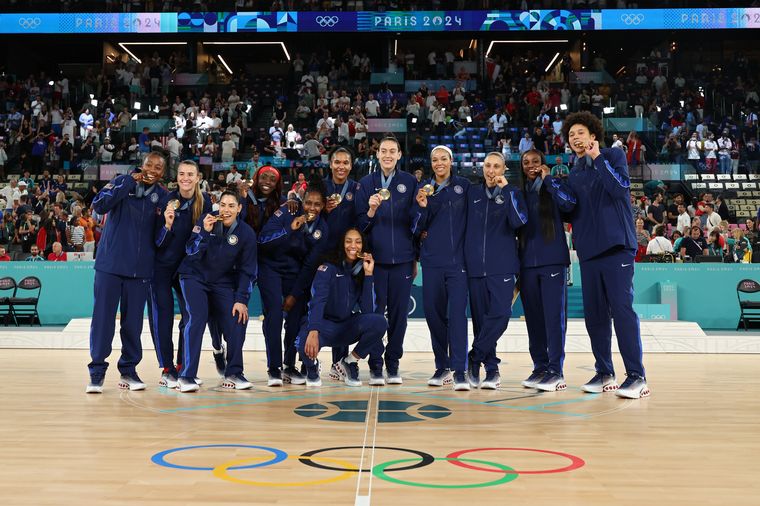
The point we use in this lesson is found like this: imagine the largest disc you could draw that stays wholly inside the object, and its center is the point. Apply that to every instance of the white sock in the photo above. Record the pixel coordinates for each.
(351, 359)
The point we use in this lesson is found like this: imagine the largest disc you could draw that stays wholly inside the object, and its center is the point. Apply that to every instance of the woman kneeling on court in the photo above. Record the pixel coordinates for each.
(217, 275)
(344, 280)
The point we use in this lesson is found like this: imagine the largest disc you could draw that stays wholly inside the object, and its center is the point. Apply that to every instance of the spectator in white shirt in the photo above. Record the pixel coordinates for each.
(616, 142)
(713, 218)
(526, 143)
(228, 150)
(496, 124)
(233, 177)
(372, 106)
(659, 244)
(683, 224)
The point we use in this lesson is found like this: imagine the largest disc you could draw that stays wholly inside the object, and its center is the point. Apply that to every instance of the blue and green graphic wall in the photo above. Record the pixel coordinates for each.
(703, 293)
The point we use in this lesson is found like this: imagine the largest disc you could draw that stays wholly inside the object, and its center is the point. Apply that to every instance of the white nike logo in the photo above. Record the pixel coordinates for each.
(339, 275)
(408, 277)
(624, 265)
(507, 280)
(555, 274)
(476, 201)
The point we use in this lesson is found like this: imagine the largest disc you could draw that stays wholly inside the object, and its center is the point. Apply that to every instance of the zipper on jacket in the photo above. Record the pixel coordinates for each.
(451, 232)
(485, 235)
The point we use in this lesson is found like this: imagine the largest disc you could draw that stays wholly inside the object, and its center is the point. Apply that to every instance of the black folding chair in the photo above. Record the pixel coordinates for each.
(26, 307)
(750, 309)
(7, 291)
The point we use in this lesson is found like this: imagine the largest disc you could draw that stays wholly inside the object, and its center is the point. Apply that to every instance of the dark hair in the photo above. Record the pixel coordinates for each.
(315, 184)
(337, 255)
(231, 193)
(253, 215)
(390, 138)
(659, 231)
(545, 204)
(586, 119)
(341, 149)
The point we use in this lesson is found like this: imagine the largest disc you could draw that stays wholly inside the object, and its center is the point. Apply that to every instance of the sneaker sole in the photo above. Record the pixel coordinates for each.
(232, 386)
(395, 381)
(314, 383)
(551, 388)
(274, 383)
(93, 390)
(168, 384)
(353, 383)
(487, 385)
(292, 381)
(633, 395)
(461, 387)
(133, 388)
(190, 389)
(597, 390)
(377, 382)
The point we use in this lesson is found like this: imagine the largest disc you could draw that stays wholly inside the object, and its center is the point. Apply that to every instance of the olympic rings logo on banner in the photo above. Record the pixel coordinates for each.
(632, 19)
(29, 23)
(346, 469)
(327, 21)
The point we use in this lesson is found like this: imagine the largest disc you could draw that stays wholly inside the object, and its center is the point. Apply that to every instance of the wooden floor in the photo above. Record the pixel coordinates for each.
(696, 440)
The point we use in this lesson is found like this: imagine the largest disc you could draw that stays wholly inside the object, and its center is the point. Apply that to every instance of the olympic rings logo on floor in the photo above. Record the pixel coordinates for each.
(346, 470)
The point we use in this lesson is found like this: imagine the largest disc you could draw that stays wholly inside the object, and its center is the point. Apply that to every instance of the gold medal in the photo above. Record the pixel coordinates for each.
(384, 193)
(336, 197)
(428, 189)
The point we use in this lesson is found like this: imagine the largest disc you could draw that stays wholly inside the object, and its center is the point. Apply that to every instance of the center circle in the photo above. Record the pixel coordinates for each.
(426, 458)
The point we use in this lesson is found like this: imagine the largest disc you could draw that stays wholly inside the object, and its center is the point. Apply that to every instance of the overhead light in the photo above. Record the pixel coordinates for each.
(608, 110)
(550, 41)
(224, 63)
(273, 43)
(50, 83)
(551, 63)
(130, 53)
(137, 105)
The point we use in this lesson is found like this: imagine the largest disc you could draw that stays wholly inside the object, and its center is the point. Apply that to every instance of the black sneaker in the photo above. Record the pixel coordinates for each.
(473, 371)
(351, 371)
(551, 382)
(220, 361)
(293, 376)
(274, 377)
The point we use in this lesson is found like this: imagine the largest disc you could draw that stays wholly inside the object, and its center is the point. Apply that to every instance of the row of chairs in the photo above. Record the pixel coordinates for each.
(18, 301)
(721, 177)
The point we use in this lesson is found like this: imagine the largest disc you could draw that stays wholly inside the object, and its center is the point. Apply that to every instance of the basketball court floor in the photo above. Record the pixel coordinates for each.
(696, 440)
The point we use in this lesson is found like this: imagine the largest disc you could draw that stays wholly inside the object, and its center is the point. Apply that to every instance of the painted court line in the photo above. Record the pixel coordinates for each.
(364, 500)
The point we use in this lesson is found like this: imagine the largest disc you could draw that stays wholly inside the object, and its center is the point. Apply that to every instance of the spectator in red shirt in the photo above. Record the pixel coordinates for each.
(442, 96)
(4, 256)
(57, 255)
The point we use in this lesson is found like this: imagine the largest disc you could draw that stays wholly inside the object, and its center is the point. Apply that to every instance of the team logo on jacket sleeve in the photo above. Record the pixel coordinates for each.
(232, 240)
(278, 213)
(401, 188)
(499, 199)
(108, 186)
(197, 229)
(317, 234)
(154, 198)
(458, 190)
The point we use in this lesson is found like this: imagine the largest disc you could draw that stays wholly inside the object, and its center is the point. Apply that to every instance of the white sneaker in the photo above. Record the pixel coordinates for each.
(335, 373)
(237, 382)
(198, 380)
(394, 378)
(274, 377)
(533, 379)
(461, 384)
(634, 387)
(551, 383)
(168, 380)
(440, 377)
(185, 385)
(376, 378)
(313, 378)
(600, 383)
(94, 387)
(132, 383)
(492, 381)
